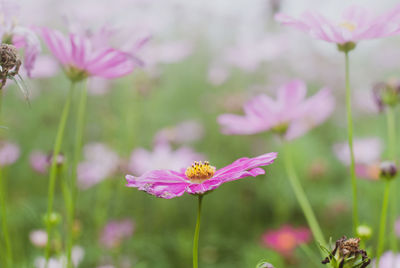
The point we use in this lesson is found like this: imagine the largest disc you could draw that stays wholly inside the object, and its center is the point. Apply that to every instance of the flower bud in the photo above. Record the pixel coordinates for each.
(53, 219)
(364, 232)
(388, 170)
(386, 94)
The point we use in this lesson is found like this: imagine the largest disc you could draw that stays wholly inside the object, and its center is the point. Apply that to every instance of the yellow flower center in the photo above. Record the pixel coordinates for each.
(200, 172)
(348, 25)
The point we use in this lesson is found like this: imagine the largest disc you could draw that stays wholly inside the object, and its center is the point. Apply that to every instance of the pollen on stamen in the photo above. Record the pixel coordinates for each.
(200, 171)
(348, 25)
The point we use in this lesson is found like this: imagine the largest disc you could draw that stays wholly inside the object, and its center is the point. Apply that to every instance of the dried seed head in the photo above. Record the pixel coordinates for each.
(9, 62)
(8, 57)
(349, 246)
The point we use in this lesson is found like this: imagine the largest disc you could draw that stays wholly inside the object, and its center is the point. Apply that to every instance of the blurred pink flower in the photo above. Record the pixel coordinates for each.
(39, 161)
(38, 238)
(247, 55)
(81, 56)
(166, 52)
(9, 153)
(184, 132)
(99, 163)
(21, 37)
(77, 255)
(291, 114)
(356, 24)
(45, 66)
(285, 239)
(366, 151)
(115, 231)
(162, 157)
(388, 260)
(217, 75)
(198, 178)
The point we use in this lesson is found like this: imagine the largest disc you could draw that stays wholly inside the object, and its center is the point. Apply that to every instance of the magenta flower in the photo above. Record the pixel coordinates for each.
(355, 24)
(290, 115)
(115, 231)
(81, 56)
(198, 178)
(285, 239)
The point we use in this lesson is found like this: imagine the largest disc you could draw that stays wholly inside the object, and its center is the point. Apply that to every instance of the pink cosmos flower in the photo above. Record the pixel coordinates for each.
(82, 56)
(162, 157)
(355, 24)
(285, 239)
(100, 163)
(291, 114)
(198, 178)
(9, 153)
(115, 231)
(388, 260)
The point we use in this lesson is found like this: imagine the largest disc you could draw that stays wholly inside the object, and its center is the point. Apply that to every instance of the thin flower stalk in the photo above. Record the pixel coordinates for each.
(3, 205)
(80, 125)
(196, 234)
(350, 141)
(382, 224)
(53, 167)
(302, 198)
(391, 125)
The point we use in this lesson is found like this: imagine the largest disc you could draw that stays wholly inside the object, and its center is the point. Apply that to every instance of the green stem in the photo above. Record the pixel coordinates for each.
(382, 226)
(3, 205)
(350, 137)
(196, 235)
(80, 125)
(391, 129)
(53, 168)
(302, 199)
